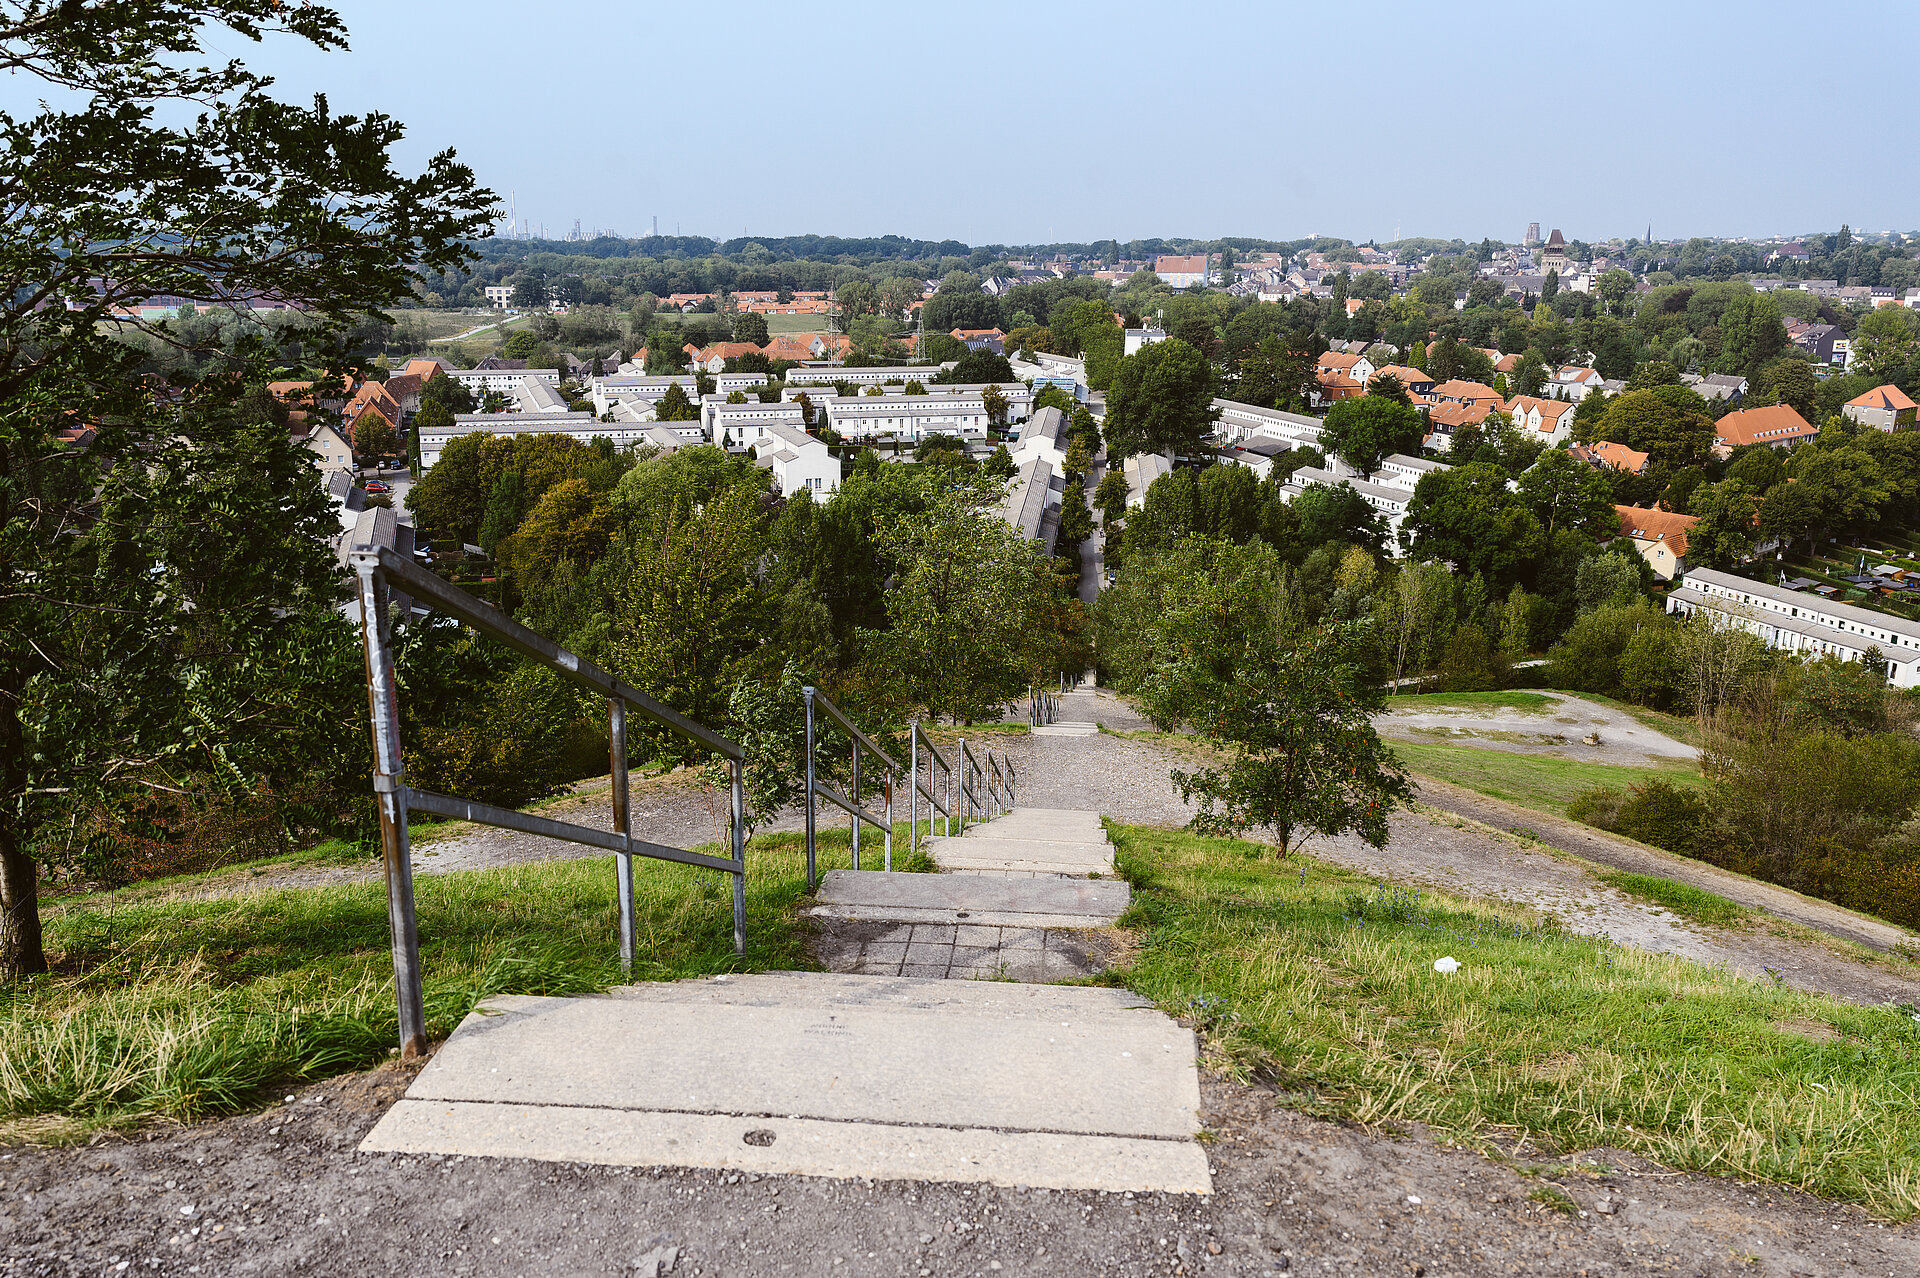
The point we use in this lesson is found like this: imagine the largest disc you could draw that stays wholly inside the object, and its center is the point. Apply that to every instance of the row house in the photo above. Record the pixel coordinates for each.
(1550, 420)
(1803, 623)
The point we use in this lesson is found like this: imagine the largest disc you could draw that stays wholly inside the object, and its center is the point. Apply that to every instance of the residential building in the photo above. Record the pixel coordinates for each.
(1659, 535)
(1883, 408)
(1573, 382)
(1398, 470)
(1473, 394)
(1181, 272)
(369, 397)
(328, 444)
(581, 426)
(1139, 337)
(1550, 420)
(1258, 453)
(907, 417)
(1389, 501)
(1716, 386)
(1141, 469)
(1777, 426)
(738, 426)
(1236, 422)
(978, 339)
(1802, 622)
(797, 461)
(1618, 456)
(1418, 384)
(503, 375)
(1826, 343)
(498, 295)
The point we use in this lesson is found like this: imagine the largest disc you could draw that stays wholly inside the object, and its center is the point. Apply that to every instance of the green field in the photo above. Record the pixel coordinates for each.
(777, 324)
(1540, 782)
(1322, 985)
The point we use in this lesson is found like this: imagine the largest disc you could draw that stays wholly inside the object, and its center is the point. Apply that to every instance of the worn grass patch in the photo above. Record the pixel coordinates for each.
(1327, 987)
(1684, 899)
(1536, 781)
(1533, 702)
(176, 1009)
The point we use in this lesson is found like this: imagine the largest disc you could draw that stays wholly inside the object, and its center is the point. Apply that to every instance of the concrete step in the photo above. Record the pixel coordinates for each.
(823, 1075)
(874, 896)
(1046, 857)
(1040, 823)
(1066, 728)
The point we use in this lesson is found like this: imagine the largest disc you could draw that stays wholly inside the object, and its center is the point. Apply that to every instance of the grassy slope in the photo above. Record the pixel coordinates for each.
(1540, 782)
(1683, 899)
(1529, 701)
(172, 1008)
(1570, 1041)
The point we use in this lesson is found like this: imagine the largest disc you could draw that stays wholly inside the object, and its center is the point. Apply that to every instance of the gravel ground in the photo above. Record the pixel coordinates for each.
(285, 1192)
(1571, 728)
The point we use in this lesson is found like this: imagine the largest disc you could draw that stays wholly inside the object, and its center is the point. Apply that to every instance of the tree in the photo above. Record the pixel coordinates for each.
(1725, 534)
(373, 435)
(1111, 497)
(1562, 492)
(1000, 464)
(1076, 520)
(1292, 707)
(1362, 431)
(750, 326)
(520, 345)
(531, 291)
(1468, 517)
(1885, 341)
(139, 636)
(1161, 401)
(674, 406)
(994, 400)
(1668, 423)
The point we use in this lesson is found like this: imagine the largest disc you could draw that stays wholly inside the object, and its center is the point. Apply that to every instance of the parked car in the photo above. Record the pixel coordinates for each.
(378, 486)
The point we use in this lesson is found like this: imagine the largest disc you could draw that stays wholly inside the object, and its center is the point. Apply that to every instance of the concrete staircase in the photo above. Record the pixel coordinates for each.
(884, 1067)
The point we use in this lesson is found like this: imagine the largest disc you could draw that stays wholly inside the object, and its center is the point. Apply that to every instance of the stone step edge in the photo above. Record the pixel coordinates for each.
(962, 918)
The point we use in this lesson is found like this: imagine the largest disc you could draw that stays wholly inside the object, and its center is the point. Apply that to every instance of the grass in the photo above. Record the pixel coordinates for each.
(1528, 701)
(1682, 898)
(1323, 984)
(1540, 782)
(179, 1008)
(777, 324)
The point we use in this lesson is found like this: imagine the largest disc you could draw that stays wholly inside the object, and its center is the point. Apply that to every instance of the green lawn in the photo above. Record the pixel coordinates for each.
(1682, 898)
(1529, 701)
(1323, 983)
(170, 1008)
(777, 324)
(1540, 782)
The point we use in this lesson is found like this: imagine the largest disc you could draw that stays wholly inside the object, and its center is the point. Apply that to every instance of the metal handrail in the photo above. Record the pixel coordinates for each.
(816, 787)
(970, 784)
(931, 791)
(379, 570)
(999, 785)
(1043, 707)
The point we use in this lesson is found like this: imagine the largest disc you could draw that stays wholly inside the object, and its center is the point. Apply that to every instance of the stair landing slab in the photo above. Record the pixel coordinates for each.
(875, 896)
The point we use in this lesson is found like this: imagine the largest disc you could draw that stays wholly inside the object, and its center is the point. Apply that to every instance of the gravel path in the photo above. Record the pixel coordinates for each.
(285, 1192)
(1572, 728)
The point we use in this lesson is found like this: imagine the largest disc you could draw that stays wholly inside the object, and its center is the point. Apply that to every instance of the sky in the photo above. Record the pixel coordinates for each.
(1046, 121)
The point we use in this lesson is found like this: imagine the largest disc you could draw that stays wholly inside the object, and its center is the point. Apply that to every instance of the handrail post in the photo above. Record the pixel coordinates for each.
(913, 789)
(887, 857)
(740, 857)
(813, 878)
(854, 821)
(622, 826)
(961, 764)
(389, 784)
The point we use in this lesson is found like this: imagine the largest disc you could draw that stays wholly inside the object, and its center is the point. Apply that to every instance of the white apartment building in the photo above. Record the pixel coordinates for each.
(498, 295)
(1804, 623)
(743, 425)
(504, 380)
(1239, 421)
(1389, 501)
(907, 417)
(797, 461)
(1141, 470)
(828, 374)
(582, 426)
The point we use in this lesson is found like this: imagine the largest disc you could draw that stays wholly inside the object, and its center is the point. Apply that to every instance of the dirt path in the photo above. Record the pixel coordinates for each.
(1570, 728)
(285, 1192)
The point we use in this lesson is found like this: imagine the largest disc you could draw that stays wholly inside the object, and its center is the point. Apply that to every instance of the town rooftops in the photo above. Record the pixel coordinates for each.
(1775, 424)
(1466, 392)
(1642, 524)
(1619, 456)
(1172, 265)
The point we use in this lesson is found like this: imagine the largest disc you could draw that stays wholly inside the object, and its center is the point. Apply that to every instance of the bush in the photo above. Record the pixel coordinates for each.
(1656, 813)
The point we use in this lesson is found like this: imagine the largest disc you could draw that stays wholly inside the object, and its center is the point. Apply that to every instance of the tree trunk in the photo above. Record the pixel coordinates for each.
(21, 953)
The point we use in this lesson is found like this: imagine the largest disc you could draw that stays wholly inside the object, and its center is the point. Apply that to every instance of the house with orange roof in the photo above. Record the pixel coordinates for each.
(1777, 426)
(1659, 535)
(1883, 408)
(1618, 456)
(1549, 419)
(370, 397)
(1444, 419)
(1418, 384)
(1574, 382)
(1462, 392)
(1342, 376)
(1505, 363)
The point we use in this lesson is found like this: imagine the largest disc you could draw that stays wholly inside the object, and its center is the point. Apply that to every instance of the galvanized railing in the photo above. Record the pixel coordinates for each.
(1043, 707)
(816, 787)
(937, 807)
(381, 570)
(999, 785)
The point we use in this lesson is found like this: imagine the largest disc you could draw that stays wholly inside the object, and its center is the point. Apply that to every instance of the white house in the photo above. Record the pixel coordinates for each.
(743, 425)
(797, 461)
(1138, 337)
(1573, 383)
(504, 380)
(1389, 501)
(329, 447)
(911, 417)
(1803, 623)
(828, 374)
(1141, 470)
(498, 295)
(584, 427)
(1550, 420)
(1239, 421)
(1397, 470)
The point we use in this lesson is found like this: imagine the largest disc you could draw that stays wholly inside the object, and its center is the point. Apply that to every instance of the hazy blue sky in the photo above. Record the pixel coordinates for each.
(1032, 122)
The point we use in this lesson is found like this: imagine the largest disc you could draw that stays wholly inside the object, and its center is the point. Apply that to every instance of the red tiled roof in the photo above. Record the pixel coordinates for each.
(1769, 425)
(1642, 524)
(1619, 456)
(1889, 398)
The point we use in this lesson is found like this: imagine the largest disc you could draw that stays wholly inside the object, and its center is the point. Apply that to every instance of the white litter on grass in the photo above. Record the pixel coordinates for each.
(1446, 966)
(1414, 1199)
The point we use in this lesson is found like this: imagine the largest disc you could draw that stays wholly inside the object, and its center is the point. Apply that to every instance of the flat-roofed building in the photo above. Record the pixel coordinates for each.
(1390, 502)
(504, 380)
(743, 425)
(912, 417)
(797, 461)
(1803, 623)
(1238, 421)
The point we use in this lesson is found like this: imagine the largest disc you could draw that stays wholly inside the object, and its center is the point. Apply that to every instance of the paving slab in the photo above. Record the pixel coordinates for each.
(1066, 728)
(823, 1074)
(1021, 854)
(956, 898)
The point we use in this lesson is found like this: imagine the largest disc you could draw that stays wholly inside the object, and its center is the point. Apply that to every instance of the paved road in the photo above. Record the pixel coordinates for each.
(1093, 552)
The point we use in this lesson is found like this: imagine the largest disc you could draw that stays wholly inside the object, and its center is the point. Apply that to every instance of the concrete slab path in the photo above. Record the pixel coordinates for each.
(827, 1075)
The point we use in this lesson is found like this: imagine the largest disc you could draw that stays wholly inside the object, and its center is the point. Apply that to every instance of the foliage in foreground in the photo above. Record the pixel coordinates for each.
(1326, 985)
